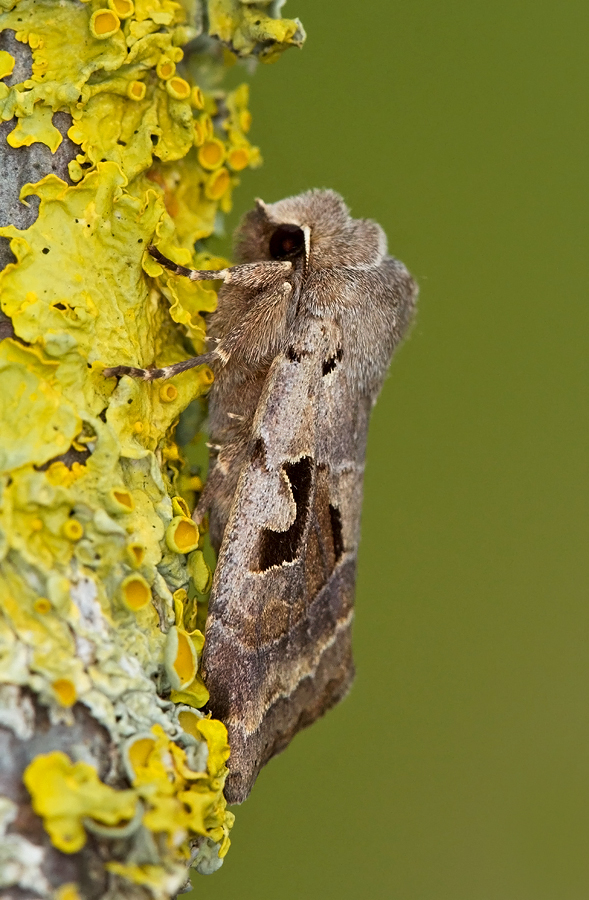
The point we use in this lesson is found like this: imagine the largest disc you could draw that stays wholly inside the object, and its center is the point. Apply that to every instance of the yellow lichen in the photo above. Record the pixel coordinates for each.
(73, 529)
(215, 735)
(64, 793)
(137, 753)
(123, 8)
(178, 88)
(211, 154)
(104, 23)
(154, 877)
(180, 800)
(189, 721)
(247, 28)
(136, 553)
(206, 376)
(200, 133)
(238, 158)
(136, 90)
(217, 184)
(65, 691)
(180, 659)
(42, 605)
(165, 68)
(42, 425)
(6, 63)
(180, 507)
(135, 592)
(195, 694)
(58, 472)
(196, 98)
(67, 891)
(182, 535)
(119, 500)
(199, 571)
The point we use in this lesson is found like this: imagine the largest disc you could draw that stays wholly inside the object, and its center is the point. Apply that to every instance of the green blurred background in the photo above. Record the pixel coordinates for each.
(458, 767)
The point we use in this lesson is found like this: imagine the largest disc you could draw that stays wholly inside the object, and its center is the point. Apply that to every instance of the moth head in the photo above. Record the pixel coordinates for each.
(315, 228)
(289, 241)
(263, 235)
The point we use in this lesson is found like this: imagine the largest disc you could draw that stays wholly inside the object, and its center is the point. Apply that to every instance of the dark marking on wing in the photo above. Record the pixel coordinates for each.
(324, 544)
(292, 355)
(258, 451)
(280, 547)
(336, 531)
(330, 364)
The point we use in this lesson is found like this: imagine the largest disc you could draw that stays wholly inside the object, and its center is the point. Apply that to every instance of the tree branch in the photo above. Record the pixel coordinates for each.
(111, 777)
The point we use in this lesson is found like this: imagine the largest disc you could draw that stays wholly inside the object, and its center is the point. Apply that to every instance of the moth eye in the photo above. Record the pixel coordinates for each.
(287, 242)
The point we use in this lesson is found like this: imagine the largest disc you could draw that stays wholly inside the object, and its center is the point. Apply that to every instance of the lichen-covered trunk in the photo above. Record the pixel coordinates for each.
(112, 137)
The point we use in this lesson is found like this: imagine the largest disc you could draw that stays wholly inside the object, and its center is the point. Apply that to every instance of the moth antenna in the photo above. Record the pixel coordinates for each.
(192, 274)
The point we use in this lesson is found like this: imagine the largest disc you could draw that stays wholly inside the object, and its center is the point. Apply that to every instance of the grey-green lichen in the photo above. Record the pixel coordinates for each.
(101, 567)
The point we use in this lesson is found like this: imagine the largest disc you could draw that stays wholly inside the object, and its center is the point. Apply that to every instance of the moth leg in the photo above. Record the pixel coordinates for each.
(192, 274)
(268, 293)
(253, 275)
(249, 275)
(166, 371)
(201, 508)
(211, 487)
(261, 331)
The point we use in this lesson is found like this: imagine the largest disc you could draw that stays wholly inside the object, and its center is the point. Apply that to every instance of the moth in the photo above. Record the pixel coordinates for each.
(302, 338)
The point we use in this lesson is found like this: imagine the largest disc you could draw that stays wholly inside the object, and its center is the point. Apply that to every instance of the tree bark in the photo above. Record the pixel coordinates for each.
(111, 777)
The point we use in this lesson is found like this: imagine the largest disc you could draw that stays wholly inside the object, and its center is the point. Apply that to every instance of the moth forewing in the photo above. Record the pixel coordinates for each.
(278, 650)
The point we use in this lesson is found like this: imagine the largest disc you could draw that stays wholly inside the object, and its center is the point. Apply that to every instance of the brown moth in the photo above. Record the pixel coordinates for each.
(303, 333)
